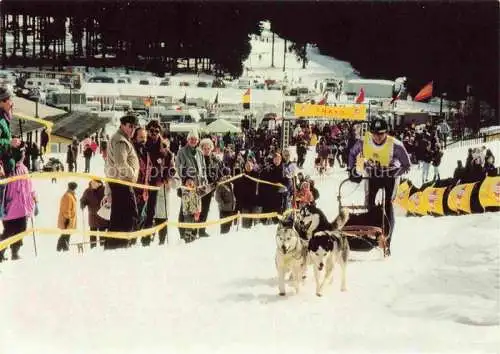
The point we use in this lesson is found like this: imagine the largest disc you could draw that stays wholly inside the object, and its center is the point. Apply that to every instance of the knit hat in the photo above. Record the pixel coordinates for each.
(5, 93)
(378, 126)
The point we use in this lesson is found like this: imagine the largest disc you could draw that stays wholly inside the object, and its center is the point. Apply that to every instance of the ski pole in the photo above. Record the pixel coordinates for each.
(166, 217)
(34, 239)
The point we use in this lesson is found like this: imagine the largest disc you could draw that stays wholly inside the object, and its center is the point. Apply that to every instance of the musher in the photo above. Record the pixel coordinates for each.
(382, 159)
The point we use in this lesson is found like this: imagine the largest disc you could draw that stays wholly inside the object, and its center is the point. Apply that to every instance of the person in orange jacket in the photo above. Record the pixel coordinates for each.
(67, 216)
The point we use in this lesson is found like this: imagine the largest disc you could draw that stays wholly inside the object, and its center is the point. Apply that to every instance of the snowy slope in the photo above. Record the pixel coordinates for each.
(318, 67)
(437, 293)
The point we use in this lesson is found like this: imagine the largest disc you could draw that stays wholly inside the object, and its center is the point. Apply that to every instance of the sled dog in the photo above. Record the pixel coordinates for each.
(327, 247)
(290, 257)
(311, 219)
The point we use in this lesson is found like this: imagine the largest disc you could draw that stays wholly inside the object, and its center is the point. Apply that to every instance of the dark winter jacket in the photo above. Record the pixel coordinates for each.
(459, 173)
(247, 191)
(156, 157)
(427, 156)
(91, 199)
(437, 155)
(213, 168)
(224, 195)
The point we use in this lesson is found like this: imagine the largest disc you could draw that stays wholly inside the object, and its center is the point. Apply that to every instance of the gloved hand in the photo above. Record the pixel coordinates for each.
(66, 223)
(354, 176)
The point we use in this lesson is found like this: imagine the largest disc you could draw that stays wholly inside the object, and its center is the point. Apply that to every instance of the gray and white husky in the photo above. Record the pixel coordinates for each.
(291, 256)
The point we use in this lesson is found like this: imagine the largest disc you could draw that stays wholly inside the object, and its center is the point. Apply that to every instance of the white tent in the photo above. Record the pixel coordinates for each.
(222, 126)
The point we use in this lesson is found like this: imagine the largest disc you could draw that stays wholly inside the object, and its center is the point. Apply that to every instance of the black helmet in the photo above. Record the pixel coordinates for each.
(378, 125)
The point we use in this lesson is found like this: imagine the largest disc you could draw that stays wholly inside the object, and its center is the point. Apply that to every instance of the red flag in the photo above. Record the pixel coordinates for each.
(361, 96)
(424, 93)
(324, 99)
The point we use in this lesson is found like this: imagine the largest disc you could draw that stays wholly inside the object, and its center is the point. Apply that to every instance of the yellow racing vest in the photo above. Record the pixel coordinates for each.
(375, 154)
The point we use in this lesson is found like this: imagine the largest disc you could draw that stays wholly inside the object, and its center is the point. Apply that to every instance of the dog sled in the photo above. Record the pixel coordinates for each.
(367, 228)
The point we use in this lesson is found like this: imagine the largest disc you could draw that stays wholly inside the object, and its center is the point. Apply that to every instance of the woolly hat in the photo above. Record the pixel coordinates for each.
(5, 93)
(378, 126)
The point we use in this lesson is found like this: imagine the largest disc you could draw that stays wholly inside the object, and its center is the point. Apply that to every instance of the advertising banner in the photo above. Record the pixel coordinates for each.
(347, 112)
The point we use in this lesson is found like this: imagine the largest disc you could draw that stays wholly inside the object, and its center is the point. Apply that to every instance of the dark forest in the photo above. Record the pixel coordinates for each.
(451, 43)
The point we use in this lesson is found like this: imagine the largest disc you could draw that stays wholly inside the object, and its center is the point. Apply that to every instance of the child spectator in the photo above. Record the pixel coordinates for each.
(67, 216)
(304, 195)
(92, 199)
(191, 208)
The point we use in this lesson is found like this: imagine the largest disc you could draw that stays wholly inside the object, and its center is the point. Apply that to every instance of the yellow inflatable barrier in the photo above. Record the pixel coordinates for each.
(432, 199)
(402, 195)
(489, 192)
(416, 204)
(459, 197)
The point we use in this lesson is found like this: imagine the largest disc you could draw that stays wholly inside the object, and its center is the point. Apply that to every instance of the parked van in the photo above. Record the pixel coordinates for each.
(40, 83)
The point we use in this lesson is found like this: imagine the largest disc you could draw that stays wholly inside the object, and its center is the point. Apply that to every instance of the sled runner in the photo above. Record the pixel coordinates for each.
(367, 228)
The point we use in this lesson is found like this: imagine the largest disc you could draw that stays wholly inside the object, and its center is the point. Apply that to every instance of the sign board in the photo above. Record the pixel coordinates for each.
(347, 112)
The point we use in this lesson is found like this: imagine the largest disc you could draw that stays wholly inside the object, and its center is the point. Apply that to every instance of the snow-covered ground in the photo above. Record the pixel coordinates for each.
(437, 293)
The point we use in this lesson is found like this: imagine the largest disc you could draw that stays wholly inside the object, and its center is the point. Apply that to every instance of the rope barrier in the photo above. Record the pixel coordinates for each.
(135, 234)
(75, 174)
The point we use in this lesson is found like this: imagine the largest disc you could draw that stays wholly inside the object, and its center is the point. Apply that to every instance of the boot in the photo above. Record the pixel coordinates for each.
(146, 240)
(203, 233)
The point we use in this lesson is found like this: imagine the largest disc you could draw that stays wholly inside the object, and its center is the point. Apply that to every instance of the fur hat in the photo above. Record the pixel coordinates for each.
(5, 93)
